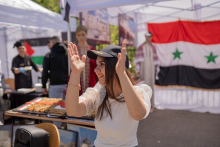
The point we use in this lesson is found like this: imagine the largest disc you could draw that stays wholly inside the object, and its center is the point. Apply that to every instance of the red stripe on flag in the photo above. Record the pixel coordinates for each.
(29, 50)
(194, 32)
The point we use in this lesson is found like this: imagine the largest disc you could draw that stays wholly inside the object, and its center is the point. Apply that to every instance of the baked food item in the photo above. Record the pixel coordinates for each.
(54, 106)
(55, 109)
(53, 100)
(28, 68)
(43, 105)
(38, 107)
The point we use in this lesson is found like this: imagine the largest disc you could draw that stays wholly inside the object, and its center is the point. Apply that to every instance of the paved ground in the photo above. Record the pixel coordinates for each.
(171, 128)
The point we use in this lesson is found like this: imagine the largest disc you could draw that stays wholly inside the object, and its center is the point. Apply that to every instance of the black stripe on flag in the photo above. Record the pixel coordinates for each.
(189, 76)
(67, 12)
(37, 41)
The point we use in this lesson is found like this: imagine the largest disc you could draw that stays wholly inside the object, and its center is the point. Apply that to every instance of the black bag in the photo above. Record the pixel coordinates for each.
(30, 136)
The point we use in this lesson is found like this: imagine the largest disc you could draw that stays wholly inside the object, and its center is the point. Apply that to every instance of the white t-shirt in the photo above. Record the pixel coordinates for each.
(120, 131)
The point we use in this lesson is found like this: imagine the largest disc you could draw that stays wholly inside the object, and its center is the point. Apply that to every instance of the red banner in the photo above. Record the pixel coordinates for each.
(206, 33)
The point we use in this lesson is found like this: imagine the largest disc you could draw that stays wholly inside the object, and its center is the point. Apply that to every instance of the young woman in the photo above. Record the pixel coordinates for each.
(118, 104)
(88, 77)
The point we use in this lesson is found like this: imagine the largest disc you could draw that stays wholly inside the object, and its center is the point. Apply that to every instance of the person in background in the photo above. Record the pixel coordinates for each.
(49, 47)
(88, 77)
(55, 68)
(48, 44)
(21, 67)
(147, 69)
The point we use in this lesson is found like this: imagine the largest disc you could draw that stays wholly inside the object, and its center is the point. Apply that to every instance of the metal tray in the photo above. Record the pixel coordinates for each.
(22, 107)
(23, 110)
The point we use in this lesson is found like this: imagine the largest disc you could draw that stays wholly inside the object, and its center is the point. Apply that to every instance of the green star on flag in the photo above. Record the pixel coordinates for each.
(177, 54)
(211, 58)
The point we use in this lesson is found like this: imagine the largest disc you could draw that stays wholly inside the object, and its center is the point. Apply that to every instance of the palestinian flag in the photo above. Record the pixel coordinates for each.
(29, 50)
(37, 49)
(65, 9)
(189, 64)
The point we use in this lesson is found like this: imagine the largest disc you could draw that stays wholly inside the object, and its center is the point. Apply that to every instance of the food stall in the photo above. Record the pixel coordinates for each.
(53, 109)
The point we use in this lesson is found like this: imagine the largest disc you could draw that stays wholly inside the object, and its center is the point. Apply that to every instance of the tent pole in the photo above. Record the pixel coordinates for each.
(68, 33)
(192, 3)
(6, 50)
(136, 30)
(68, 40)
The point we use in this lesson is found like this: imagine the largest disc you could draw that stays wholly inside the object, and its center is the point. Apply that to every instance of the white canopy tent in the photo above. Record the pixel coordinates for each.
(29, 13)
(151, 11)
(162, 11)
(25, 19)
(79, 6)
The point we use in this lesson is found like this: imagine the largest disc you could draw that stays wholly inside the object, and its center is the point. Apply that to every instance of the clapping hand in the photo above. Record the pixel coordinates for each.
(120, 66)
(76, 64)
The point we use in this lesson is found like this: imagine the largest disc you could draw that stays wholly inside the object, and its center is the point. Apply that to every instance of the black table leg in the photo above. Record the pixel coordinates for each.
(12, 130)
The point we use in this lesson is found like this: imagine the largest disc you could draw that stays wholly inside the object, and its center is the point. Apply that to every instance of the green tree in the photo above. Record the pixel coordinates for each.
(114, 38)
(131, 50)
(52, 5)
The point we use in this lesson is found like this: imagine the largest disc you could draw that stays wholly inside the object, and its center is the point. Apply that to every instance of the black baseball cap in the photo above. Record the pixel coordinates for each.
(111, 51)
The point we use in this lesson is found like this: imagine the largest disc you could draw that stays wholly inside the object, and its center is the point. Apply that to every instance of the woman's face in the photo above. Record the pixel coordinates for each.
(100, 70)
(81, 36)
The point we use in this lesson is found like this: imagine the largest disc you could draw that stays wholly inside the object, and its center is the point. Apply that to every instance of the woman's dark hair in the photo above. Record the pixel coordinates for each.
(110, 77)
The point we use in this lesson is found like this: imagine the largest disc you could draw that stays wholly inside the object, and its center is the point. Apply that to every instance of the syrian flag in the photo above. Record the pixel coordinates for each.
(65, 9)
(189, 65)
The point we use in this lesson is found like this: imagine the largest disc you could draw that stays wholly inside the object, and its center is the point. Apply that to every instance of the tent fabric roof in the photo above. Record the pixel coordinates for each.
(156, 11)
(29, 13)
(153, 11)
(181, 9)
(85, 5)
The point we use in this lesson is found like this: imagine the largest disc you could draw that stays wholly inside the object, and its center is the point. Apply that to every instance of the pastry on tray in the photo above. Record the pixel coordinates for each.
(55, 109)
(53, 106)
(54, 100)
(43, 107)
(38, 107)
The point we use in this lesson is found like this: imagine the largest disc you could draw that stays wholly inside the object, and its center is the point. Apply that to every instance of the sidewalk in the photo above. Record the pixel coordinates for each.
(176, 128)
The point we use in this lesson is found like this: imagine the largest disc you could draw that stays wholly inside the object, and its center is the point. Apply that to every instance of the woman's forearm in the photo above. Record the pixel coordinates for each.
(73, 107)
(133, 101)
